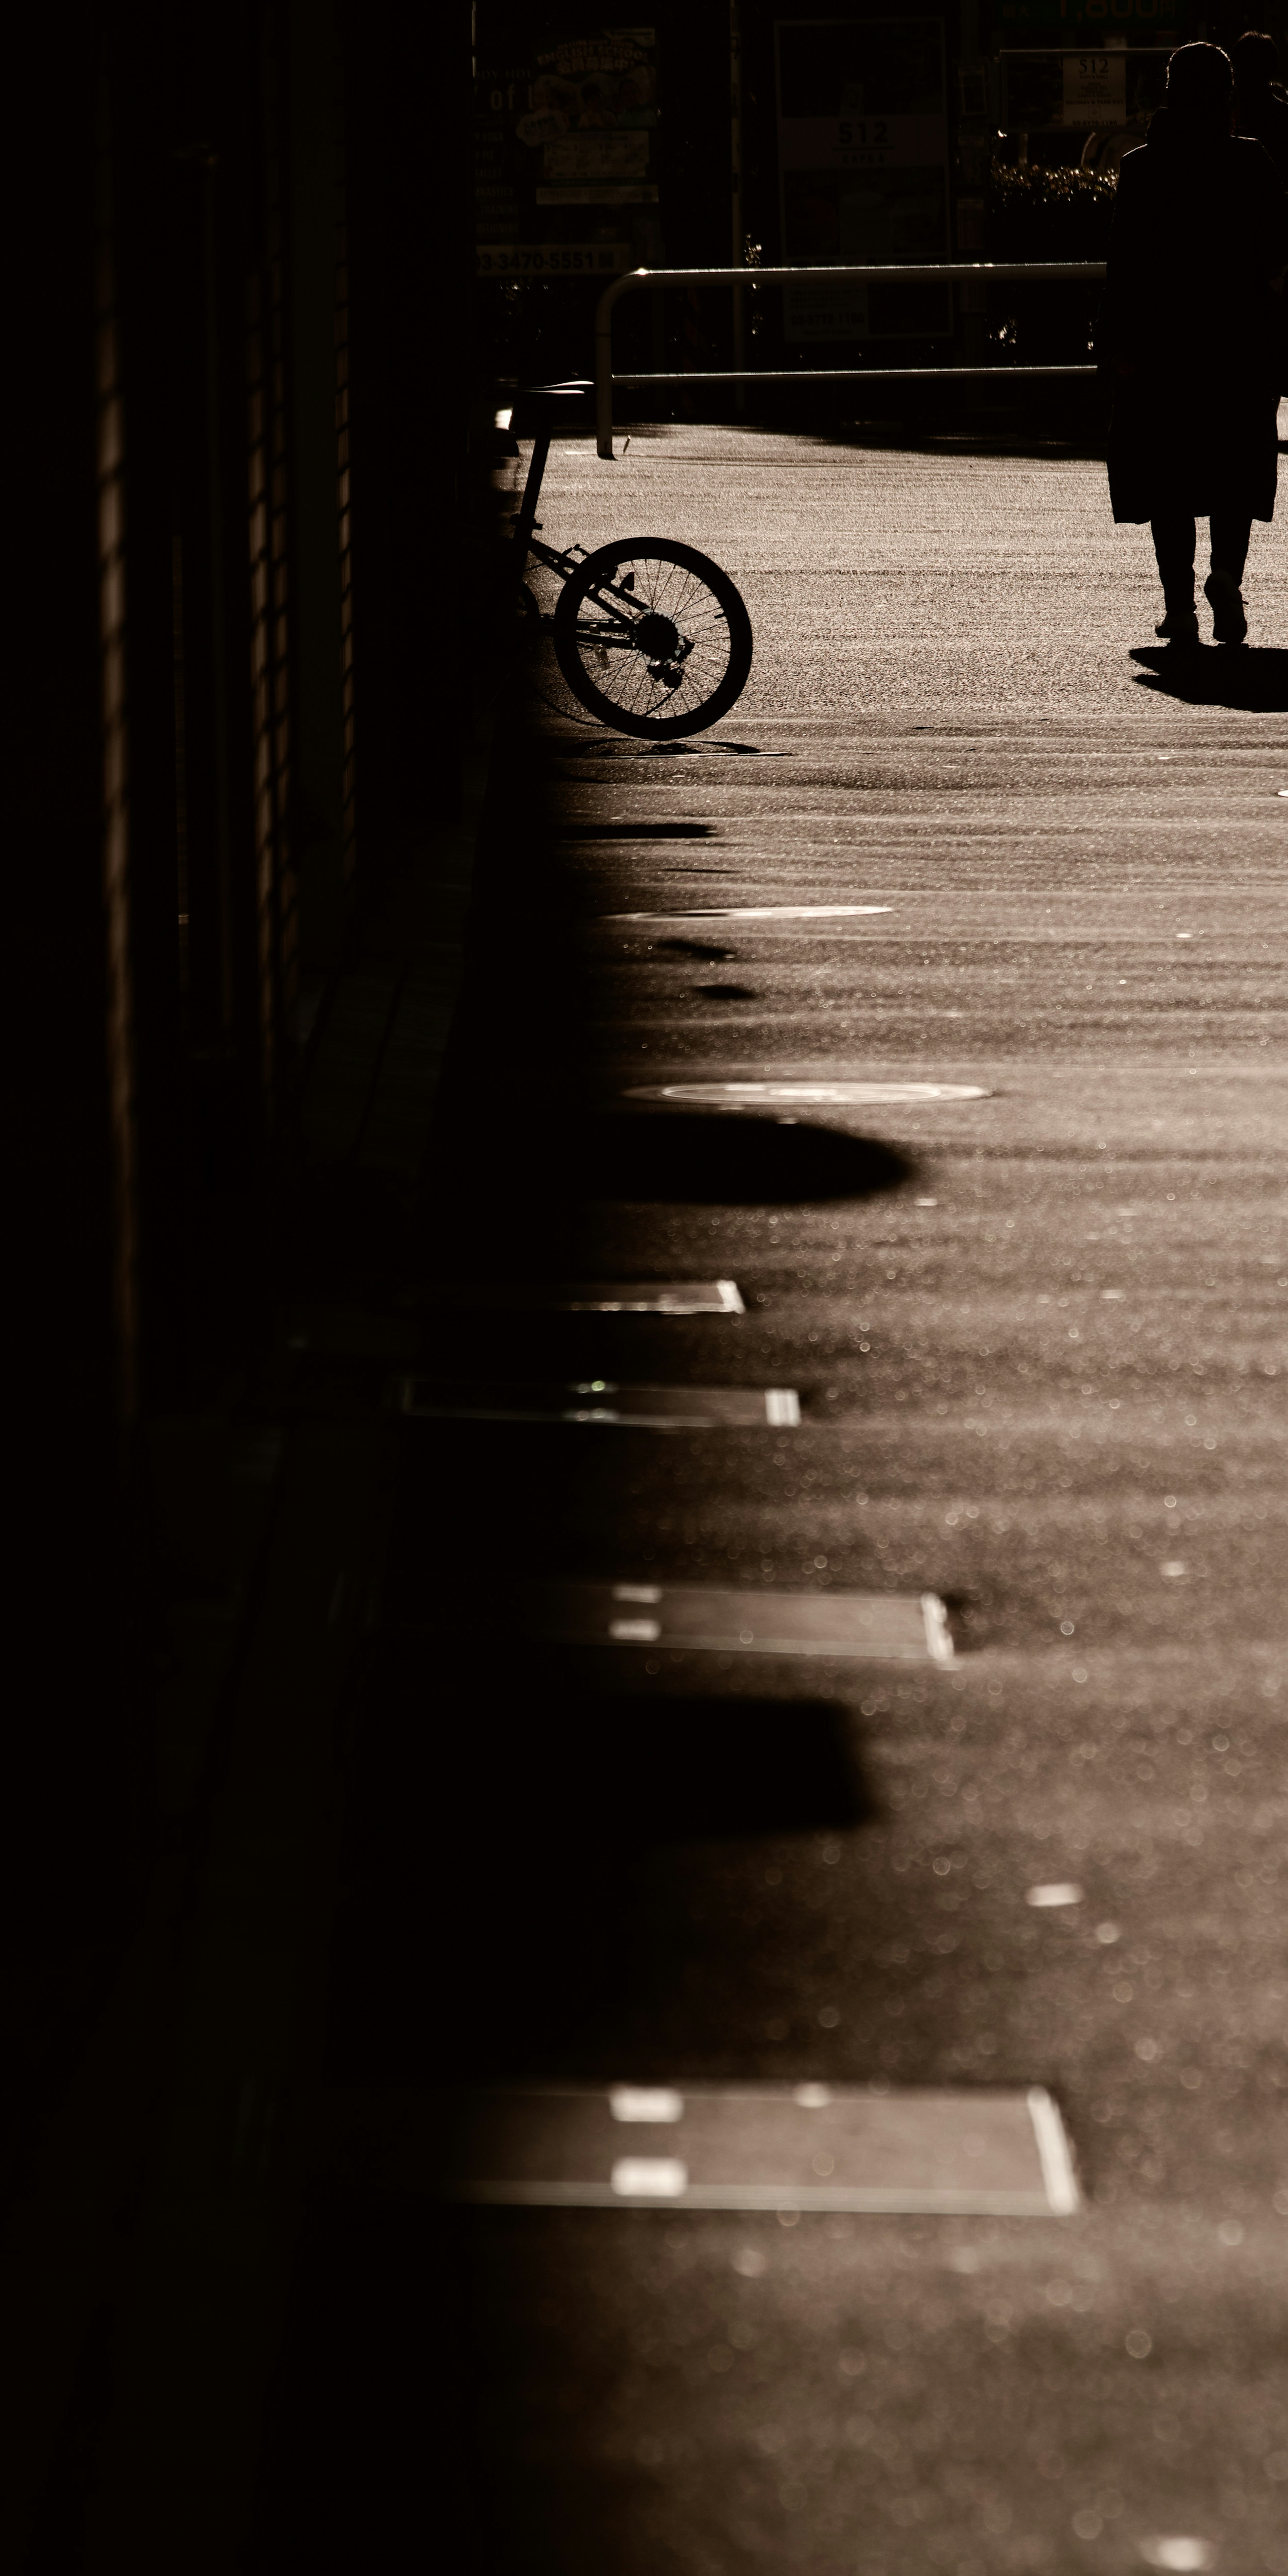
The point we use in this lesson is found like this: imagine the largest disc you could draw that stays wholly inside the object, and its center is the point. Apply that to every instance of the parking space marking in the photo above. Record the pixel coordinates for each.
(907, 1627)
(676, 1297)
(645, 2102)
(630, 1408)
(756, 1095)
(757, 912)
(596, 1297)
(997, 2153)
(638, 2178)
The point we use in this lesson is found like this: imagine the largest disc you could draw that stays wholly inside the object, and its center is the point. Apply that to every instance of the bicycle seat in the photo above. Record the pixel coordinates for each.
(539, 406)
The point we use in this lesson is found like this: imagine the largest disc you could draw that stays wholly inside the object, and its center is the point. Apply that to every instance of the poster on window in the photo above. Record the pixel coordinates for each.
(593, 119)
(1093, 89)
(565, 146)
(863, 172)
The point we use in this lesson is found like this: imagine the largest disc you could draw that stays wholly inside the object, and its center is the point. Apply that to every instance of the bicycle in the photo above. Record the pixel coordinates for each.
(650, 636)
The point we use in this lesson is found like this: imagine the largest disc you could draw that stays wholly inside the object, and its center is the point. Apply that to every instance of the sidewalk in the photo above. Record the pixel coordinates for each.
(1037, 1339)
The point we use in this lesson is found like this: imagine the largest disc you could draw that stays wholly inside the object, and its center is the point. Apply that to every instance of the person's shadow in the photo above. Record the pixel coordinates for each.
(1218, 675)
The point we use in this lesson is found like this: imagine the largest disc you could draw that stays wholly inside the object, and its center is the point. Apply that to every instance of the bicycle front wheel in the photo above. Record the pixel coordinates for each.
(652, 638)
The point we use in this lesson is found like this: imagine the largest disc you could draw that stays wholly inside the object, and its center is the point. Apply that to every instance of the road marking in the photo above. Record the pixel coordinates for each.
(1181, 2551)
(606, 1297)
(906, 1627)
(970, 2152)
(645, 2102)
(1054, 2151)
(1063, 1891)
(631, 1408)
(753, 1095)
(758, 912)
(649, 2178)
(681, 1297)
(593, 1297)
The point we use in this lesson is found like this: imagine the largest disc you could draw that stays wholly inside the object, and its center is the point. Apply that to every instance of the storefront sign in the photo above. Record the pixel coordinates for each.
(574, 126)
(552, 259)
(1150, 20)
(1095, 89)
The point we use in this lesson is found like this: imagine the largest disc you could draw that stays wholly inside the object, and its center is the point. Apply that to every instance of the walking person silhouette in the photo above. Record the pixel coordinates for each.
(1260, 107)
(1189, 335)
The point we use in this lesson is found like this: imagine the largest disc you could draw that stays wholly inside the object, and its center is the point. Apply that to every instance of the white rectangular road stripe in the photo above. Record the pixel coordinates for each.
(903, 1626)
(645, 2102)
(681, 1297)
(649, 2178)
(590, 1297)
(1053, 2148)
(756, 912)
(626, 1408)
(810, 2147)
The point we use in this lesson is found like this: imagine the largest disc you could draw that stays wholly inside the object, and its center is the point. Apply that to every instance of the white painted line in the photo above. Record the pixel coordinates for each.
(1184, 2551)
(757, 912)
(1062, 1891)
(897, 2202)
(645, 2102)
(684, 1297)
(625, 1408)
(1055, 2152)
(649, 2178)
(838, 1095)
(939, 1643)
(643, 1297)
(969, 2152)
(902, 1627)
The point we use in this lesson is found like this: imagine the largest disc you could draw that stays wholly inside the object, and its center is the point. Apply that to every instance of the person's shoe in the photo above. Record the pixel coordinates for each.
(1180, 626)
(1224, 597)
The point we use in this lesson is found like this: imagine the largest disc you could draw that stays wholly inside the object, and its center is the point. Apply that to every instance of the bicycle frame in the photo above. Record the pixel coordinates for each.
(601, 633)
(527, 543)
(623, 618)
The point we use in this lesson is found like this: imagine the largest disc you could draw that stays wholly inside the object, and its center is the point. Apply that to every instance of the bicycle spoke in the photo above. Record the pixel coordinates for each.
(655, 638)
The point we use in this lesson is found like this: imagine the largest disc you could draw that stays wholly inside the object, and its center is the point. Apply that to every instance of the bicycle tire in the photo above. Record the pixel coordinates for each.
(674, 693)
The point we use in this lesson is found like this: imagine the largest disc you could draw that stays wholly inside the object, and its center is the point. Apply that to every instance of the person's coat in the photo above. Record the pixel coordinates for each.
(1200, 230)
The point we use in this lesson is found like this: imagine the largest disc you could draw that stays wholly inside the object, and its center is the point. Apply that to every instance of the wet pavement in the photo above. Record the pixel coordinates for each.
(1033, 1316)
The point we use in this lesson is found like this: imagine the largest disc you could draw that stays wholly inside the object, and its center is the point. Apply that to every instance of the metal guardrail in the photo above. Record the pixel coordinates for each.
(977, 272)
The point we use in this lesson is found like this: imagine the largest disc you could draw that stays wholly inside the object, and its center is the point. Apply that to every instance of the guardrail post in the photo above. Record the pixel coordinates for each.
(937, 272)
(604, 361)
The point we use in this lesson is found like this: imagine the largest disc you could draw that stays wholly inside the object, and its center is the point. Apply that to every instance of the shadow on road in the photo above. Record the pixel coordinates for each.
(529, 1182)
(734, 1161)
(694, 948)
(494, 1832)
(684, 1769)
(668, 831)
(1254, 679)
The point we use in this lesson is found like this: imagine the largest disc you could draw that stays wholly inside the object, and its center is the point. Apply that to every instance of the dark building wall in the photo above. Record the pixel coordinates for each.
(240, 304)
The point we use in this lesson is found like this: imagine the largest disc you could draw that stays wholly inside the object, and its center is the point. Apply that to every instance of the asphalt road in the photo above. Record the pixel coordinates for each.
(1039, 1343)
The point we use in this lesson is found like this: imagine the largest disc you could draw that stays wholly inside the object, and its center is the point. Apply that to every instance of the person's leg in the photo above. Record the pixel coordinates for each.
(1174, 539)
(1230, 532)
